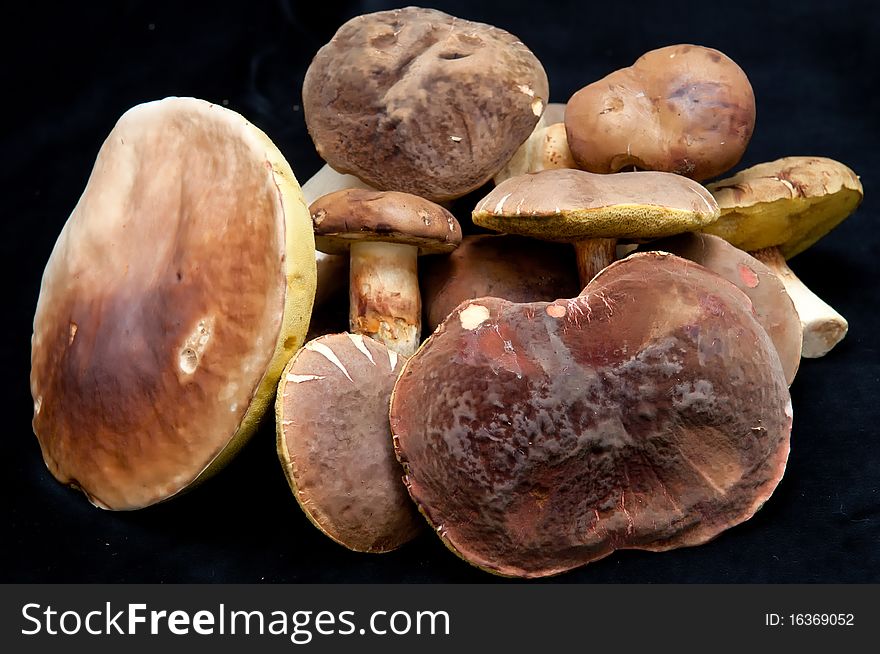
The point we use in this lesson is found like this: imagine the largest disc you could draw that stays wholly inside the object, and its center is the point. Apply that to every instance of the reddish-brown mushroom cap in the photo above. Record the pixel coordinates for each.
(334, 442)
(419, 101)
(178, 288)
(510, 267)
(683, 109)
(649, 413)
(773, 308)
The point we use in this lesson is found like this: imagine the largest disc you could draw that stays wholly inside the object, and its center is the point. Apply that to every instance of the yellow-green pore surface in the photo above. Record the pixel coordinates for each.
(178, 288)
(568, 205)
(789, 203)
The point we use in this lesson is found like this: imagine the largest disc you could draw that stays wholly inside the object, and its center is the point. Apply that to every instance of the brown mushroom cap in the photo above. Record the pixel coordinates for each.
(334, 442)
(650, 413)
(510, 267)
(790, 203)
(356, 215)
(683, 109)
(418, 101)
(773, 307)
(178, 288)
(566, 205)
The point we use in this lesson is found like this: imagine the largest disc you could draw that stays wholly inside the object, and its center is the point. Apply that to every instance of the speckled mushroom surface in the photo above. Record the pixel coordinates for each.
(177, 290)
(684, 109)
(334, 442)
(419, 101)
(651, 412)
(773, 307)
(565, 205)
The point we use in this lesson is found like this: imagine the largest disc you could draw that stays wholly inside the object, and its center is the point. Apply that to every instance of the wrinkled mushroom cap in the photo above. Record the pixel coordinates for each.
(354, 215)
(684, 109)
(510, 267)
(566, 205)
(178, 288)
(789, 203)
(418, 101)
(334, 442)
(773, 307)
(649, 413)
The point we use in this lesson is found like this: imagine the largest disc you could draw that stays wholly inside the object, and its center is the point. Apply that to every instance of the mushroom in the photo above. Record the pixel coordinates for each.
(385, 232)
(649, 413)
(683, 109)
(334, 442)
(178, 288)
(510, 267)
(593, 211)
(773, 308)
(419, 101)
(545, 149)
(778, 209)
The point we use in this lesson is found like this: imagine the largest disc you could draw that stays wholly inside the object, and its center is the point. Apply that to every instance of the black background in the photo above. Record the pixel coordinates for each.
(69, 71)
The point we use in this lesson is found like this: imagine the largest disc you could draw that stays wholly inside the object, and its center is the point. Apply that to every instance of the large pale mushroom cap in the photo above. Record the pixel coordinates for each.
(566, 205)
(179, 286)
(419, 101)
(789, 203)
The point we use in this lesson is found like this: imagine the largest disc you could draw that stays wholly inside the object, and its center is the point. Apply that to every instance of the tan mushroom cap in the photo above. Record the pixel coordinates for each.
(684, 108)
(419, 101)
(565, 205)
(789, 203)
(773, 307)
(334, 442)
(178, 288)
(358, 215)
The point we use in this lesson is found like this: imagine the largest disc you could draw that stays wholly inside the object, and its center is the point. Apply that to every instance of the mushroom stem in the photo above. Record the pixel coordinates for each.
(823, 326)
(593, 256)
(384, 300)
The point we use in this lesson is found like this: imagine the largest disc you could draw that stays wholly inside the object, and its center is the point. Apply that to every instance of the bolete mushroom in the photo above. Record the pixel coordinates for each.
(178, 288)
(545, 149)
(334, 442)
(419, 101)
(385, 232)
(510, 267)
(593, 211)
(682, 109)
(773, 308)
(778, 209)
(649, 413)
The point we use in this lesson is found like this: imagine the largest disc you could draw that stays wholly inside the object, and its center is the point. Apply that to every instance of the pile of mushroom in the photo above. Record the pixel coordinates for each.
(565, 405)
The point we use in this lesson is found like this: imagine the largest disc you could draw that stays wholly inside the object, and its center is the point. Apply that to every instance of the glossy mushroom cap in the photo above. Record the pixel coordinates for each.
(773, 307)
(510, 267)
(358, 215)
(418, 101)
(649, 413)
(683, 109)
(790, 203)
(334, 442)
(567, 205)
(178, 288)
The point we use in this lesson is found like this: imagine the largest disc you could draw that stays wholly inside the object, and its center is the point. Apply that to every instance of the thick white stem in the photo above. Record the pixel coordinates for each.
(384, 300)
(327, 180)
(823, 326)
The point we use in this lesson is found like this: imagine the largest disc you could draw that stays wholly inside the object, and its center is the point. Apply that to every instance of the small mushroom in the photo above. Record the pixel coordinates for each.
(773, 308)
(385, 232)
(593, 211)
(178, 288)
(650, 413)
(510, 267)
(334, 442)
(419, 101)
(545, 149)
(778, 209)
(683, 109)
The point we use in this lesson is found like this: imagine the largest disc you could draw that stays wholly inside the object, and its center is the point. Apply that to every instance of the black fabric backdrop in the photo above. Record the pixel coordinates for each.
(69, 71)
